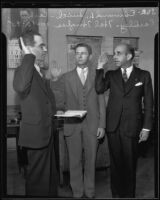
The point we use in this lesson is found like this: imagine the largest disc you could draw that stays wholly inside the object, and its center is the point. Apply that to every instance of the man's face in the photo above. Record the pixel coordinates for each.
(121, 56)
(39, 48)
(25, 16)
(82, 56)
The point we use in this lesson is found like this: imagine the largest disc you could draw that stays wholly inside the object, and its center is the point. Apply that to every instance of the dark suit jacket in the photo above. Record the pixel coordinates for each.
(96, 108)
(37, 104)
(131, 101)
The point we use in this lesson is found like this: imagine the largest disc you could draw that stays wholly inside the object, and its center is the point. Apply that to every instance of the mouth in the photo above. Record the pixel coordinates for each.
(116, 61)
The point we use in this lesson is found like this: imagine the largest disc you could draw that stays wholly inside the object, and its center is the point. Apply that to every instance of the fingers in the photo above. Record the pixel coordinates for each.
(59, 112)
(22, 43)
(143, 138)
(100, 133)
(26, 49)
(103, 59)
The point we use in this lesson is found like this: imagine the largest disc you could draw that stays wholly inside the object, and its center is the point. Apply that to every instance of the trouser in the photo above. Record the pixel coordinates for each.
(42, 176)
(123, 158)
(82, 183)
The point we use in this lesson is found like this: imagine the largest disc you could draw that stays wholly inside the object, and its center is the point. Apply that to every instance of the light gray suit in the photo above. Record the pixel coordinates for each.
(82, 133)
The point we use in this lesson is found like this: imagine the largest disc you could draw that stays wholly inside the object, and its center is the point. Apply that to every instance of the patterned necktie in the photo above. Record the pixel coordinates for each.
(124, 75)
(82, 77)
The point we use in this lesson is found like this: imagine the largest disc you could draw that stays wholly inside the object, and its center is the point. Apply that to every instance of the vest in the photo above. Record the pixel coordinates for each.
(82, 92)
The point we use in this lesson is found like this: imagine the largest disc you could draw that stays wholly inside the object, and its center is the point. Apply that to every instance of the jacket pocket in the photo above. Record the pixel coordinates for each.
(31, 119)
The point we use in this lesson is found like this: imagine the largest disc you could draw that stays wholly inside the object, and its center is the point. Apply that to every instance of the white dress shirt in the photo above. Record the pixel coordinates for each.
(38, 70)
(128, 71)
(85, 71)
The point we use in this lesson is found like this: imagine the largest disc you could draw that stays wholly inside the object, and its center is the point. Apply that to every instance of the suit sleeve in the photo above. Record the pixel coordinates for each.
(102, 110)
(23, 75)
(58, 89)
(148, 102)
(102, 83)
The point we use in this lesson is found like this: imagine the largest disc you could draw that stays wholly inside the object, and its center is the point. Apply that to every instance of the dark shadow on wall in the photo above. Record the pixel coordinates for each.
(3, 115)
(156, 113)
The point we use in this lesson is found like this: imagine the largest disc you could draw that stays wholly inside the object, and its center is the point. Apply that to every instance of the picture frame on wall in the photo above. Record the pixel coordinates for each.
(18, 22)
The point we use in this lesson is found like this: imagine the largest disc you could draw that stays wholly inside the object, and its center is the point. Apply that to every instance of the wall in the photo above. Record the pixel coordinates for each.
(106, 22)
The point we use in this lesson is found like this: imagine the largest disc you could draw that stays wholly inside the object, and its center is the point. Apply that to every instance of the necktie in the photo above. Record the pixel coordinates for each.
(124, 75)
(82, 77)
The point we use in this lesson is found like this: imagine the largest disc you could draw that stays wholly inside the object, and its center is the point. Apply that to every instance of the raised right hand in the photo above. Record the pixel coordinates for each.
(102, 60)
(26, 49)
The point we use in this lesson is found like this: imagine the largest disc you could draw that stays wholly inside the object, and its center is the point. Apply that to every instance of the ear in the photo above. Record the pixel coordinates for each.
(129, 56)
(90, 57)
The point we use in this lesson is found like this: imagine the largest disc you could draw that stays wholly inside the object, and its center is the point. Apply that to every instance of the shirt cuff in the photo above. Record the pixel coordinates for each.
(145, 129)
(100, 67)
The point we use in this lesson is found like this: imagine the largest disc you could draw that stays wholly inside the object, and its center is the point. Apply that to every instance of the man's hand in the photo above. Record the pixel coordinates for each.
(59, 112)
(26, 49)
(102, 60)
(100, 133)
(143, 136)
(55, 70)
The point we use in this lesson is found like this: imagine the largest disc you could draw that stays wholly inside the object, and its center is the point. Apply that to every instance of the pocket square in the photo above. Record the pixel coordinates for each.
(138, 84)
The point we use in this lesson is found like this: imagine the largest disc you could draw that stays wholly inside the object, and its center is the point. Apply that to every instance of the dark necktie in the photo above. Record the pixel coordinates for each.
(124, 75)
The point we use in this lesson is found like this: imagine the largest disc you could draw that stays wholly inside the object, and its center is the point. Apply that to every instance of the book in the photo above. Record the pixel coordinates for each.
(72, 113)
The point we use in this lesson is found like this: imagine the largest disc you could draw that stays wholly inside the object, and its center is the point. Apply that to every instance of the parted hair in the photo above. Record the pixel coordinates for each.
(88, 47)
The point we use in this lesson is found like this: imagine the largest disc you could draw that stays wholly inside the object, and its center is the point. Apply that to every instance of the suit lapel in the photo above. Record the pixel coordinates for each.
(90, 79)
(132, 79)
(73, 82)
(118, 79)
(41, 82)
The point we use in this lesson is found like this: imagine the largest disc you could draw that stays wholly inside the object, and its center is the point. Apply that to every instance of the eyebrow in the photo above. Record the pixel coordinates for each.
(42, 45)
(117, 52)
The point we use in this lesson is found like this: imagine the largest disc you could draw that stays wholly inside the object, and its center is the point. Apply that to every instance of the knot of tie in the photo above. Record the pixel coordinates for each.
(124, 75)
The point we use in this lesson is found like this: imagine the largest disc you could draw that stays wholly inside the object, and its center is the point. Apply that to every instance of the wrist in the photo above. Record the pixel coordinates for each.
(100, 66)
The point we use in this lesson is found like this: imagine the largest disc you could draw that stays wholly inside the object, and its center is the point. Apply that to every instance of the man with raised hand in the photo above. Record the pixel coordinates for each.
(37, 103)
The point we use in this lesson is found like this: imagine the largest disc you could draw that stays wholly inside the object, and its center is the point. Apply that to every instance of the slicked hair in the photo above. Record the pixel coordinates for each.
(130, 49)
(88, 47)
(28, 38)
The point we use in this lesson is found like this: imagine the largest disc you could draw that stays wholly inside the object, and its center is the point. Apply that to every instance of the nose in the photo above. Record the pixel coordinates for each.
(114, 56)
(44, 48)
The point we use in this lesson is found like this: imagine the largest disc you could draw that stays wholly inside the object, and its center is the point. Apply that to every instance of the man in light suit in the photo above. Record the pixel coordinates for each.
(125, 125)
(37, 103)
(78, 93)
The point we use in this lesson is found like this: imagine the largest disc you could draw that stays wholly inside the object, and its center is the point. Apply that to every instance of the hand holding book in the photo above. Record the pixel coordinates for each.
(72, 113)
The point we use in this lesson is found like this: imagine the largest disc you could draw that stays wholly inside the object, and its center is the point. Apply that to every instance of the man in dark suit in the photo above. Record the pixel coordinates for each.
(37, 103)
(131, 97)
(78, 93)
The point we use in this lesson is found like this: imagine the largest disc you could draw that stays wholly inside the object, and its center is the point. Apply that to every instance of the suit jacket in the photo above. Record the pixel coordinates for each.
(130, 101)
(37, 104)
(96, 108)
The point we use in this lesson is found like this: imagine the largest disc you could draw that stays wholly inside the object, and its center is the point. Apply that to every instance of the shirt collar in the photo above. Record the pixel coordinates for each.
(38, 70)
(84, 69)
(128, 69)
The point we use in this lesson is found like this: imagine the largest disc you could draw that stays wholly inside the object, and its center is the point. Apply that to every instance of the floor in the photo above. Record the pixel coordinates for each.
(145, 177)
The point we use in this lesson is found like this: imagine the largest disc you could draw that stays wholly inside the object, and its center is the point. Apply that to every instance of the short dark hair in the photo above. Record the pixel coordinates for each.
(28, 38)
(88, 47)
(130, 49)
